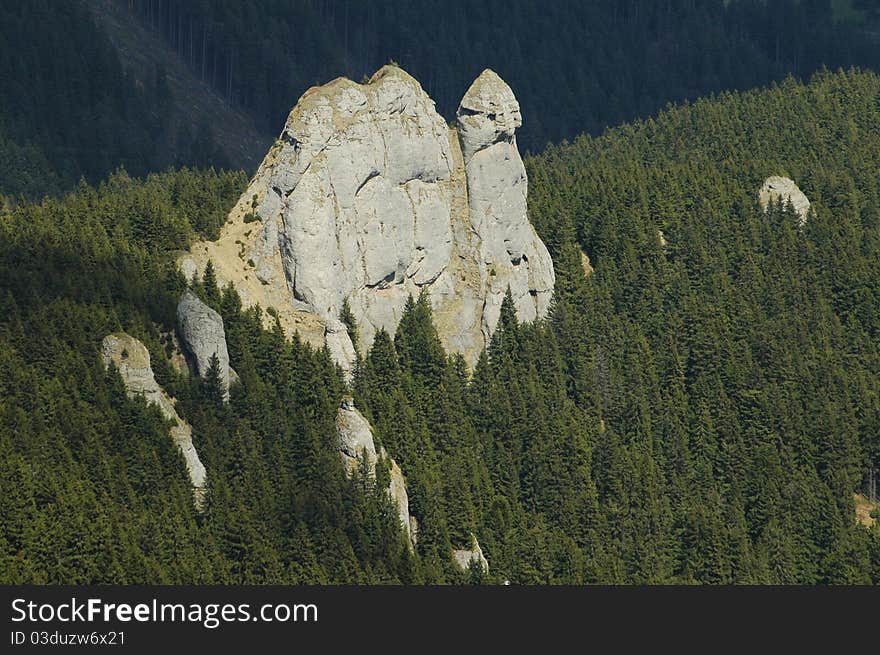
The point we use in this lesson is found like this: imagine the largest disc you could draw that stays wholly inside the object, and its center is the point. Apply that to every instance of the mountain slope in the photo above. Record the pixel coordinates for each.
(92, 85)
(576, 66)
(67, 109)
(700, 408)
(760, 337)
(196, 111)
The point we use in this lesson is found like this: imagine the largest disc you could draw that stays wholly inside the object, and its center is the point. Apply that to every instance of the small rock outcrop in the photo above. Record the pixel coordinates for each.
(463, 557)
(782, 189)
(368, 196)
(586, 266)
(132, 359)
(340, 347)
(355, 437)
(865, 510)
(356, 444)
(201, 331)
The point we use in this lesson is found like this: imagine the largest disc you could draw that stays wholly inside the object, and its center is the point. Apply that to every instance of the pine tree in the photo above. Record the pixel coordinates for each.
(213, 392)
(347, 318)
(209, 285)
(418, 347)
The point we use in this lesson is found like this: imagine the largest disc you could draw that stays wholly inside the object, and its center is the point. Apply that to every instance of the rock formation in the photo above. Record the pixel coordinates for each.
(512, 254)
(465, 556)
(356, 444)
(368, 196)
(132, 360)
(201, 331)
(176, 358)
(586, 266)
(339, 346)
(355, 436)
(782, 189)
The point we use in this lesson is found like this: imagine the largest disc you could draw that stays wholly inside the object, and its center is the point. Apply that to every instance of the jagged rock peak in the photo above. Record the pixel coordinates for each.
(202, 334)
(782, 189)
(132, 359)
(365, 197)
(511, 253)
(488, 113)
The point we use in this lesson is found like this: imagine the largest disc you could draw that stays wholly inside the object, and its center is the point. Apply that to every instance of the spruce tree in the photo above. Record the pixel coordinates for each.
(212, 389)
(209, 285)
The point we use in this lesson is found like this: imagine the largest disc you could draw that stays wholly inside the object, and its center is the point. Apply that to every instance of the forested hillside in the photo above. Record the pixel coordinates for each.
(576, 66)
(70, 108)
(67, 108)
(699, 411)
(735, 367)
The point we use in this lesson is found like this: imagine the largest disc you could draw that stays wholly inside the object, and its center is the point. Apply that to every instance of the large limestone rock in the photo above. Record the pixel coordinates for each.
(368, 196)
(782, 189)
(201, 331)
(511, 252)
(132, 360)
(464, 556)
(356, 444)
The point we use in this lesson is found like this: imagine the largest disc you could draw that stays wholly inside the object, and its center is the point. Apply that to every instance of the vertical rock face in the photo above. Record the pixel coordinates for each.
(369, 196)
(397, 491)
(132, 360)
(510, 251)
(358, 195)
(782, 189)
(203, 336)
(356, 444)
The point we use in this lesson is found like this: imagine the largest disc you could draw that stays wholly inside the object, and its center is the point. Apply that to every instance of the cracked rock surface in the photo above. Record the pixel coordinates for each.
(202, 334)
(369, 196)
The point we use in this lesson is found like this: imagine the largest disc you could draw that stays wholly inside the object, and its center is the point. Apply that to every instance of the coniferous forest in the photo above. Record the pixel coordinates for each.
(700, 405)
(70, 109)
(565, 58)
